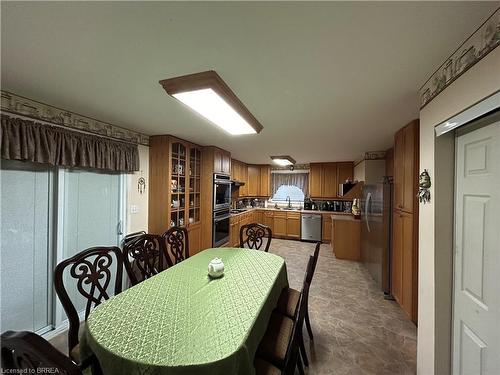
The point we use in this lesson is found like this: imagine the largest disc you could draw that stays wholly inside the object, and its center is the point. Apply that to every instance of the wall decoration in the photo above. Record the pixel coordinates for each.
(424, 184)
(141, 185)
(19, 105)
(484, 40)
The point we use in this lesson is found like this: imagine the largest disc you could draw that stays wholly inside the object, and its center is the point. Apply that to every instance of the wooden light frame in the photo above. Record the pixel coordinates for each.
(211, 80)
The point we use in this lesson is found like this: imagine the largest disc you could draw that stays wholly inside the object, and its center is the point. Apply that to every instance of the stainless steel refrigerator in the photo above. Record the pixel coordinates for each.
(376, 239)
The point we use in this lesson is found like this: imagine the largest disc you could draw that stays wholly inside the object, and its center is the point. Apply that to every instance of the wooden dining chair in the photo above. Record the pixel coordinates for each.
(253, 235)
(280, 351)
(176, 243)
(26, 352)
(289, 298)
(131, 236)
(91, 269)
(144, 257)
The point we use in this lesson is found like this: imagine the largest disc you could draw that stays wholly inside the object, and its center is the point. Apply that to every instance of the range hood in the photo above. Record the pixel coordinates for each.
(237, 183)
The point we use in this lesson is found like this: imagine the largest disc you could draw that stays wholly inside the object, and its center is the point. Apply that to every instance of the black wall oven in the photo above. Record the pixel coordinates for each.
(222, 192)
(220, 227)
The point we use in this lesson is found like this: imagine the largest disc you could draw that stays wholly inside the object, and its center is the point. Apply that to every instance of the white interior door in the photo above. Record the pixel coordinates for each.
(476, 310)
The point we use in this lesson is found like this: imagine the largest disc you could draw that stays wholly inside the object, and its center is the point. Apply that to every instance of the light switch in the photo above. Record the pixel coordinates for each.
(134, 209)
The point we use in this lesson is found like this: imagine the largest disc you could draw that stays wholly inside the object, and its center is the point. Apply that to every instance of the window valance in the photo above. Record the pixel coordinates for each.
(25, 140)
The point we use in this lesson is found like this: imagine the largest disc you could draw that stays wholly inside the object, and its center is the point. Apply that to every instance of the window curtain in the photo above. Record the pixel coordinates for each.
(26, 140)
(301, 180)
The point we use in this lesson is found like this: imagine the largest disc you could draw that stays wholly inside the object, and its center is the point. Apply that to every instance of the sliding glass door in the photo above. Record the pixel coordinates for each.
(47, 215)
(26, 246)
(91, 215)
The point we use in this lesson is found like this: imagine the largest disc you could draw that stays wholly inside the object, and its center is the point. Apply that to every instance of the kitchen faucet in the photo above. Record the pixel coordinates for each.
(289, 202)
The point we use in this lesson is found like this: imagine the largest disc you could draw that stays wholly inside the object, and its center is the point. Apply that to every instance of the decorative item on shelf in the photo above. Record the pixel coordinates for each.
(191, 220)
(181, 169)
(181, 221)
(141, 185)
(424, 184)
(173, 185)
(175, 203)
(355, 208)
(172, 223)
(216, 268)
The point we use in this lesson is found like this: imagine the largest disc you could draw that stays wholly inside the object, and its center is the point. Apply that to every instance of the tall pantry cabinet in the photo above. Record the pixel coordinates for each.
(404, 270)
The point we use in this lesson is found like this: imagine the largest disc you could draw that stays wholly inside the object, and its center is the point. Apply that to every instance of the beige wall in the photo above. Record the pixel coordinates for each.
(138, 221)
(435, 231)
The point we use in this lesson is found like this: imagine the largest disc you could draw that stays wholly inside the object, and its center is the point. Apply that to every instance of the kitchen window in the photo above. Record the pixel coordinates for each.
(289, 184)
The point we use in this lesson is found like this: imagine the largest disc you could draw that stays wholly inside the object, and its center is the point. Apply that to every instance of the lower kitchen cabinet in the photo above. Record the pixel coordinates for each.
(234, 231)
(268, 219)
(326, 230)
(293, 225)
(279, 224)
(194, 235)
(346, 241)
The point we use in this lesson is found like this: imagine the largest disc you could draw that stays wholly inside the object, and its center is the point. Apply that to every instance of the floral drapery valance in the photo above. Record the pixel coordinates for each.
(26, 140)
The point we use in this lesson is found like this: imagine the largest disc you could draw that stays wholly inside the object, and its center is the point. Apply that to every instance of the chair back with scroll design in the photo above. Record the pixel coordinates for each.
(131, 237)
(253, 235)
(148, 257)
(312, 266)
(176, 245)
(92, 270)
(26, 352)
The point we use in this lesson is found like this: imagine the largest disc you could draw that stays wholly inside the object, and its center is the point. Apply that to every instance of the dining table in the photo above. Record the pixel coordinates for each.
(183, 322)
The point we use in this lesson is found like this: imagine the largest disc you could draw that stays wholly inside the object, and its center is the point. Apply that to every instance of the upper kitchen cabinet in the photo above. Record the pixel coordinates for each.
(345, 171)
(324, 178)
(405, 167)
(222, 161)
(253, 180)
(315, 179)
(330, 185)
(265, 181)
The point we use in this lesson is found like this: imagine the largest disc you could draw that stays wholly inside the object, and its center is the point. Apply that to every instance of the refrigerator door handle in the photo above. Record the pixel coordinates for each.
(367, 204)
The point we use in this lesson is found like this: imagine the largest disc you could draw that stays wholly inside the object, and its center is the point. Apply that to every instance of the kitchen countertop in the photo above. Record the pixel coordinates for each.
(346, 214)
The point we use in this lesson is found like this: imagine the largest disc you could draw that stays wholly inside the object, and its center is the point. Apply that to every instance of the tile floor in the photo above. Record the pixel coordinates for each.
(356, 331)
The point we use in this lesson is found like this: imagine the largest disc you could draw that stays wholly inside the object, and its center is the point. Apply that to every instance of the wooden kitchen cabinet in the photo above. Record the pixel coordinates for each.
(326, 230)
(405, 167)
(404, 277)
(329, 182)
(315, 179)
(194, 235)
(279, 222)
(268, 219)
(404, 263)
(346, 241)
(293, 225)
(345, 171)
(265, 181)
(253, 180)
(324, 178)
(222, 162)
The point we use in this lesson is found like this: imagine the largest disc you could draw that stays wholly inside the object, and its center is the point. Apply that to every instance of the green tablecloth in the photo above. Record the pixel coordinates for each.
(183, 322)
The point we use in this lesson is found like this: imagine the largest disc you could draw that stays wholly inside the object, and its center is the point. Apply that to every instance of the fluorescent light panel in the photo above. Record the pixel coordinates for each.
(283, 161)
(215, 109)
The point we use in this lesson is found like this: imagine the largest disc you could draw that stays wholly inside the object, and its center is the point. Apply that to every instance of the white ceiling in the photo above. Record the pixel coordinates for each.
(328, 81)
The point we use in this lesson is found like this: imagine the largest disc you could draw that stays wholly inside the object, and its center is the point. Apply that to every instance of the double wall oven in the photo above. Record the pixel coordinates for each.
(221, 209)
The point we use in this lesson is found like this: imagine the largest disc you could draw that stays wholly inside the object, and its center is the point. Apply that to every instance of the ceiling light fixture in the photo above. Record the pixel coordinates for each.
(211, 97)
(283, 160)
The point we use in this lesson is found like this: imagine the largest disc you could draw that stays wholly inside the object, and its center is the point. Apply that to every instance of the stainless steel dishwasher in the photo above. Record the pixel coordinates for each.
(310, 229)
